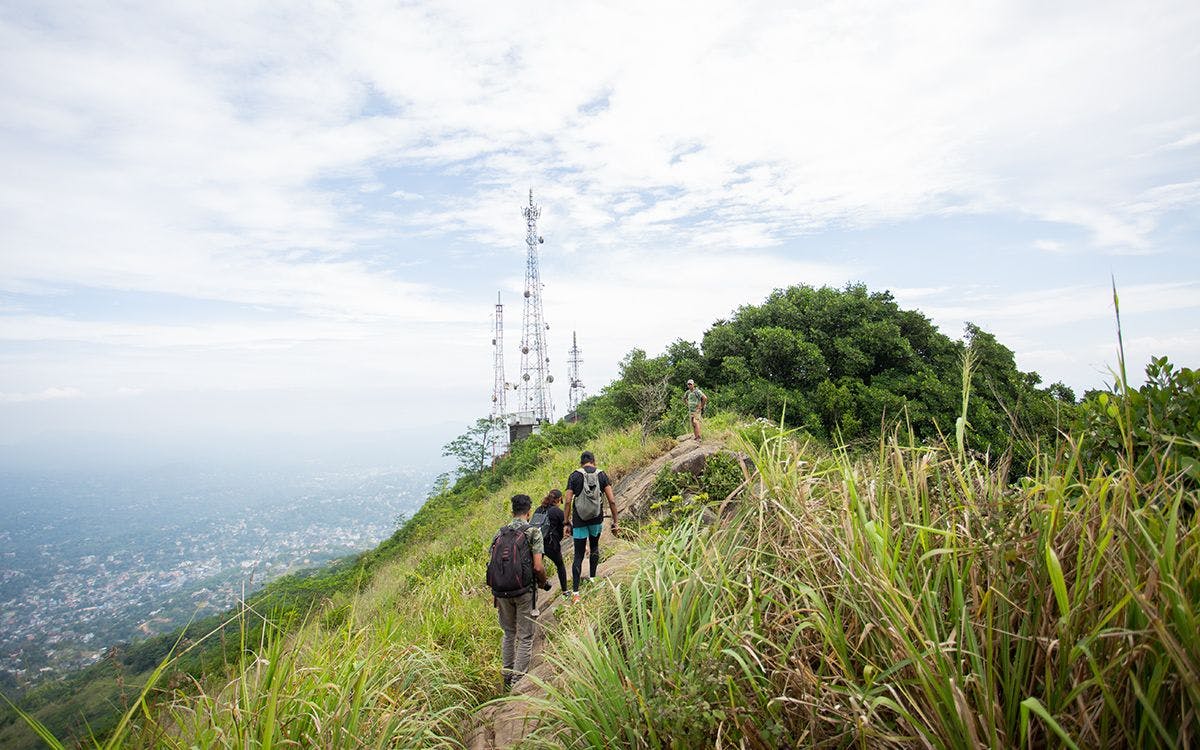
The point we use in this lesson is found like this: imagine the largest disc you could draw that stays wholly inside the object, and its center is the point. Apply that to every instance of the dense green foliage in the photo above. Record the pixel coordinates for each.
(844, 365)
(1158, 424)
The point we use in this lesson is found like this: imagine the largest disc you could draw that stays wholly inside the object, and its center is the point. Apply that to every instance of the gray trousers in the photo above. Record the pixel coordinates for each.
(518, 635)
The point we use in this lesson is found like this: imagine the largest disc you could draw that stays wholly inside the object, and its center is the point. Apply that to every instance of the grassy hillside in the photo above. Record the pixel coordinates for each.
(92, 701)
(399, 663)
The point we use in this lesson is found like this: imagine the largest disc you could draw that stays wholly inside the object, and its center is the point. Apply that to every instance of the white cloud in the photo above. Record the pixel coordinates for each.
(789, 120)
(1063, 305)
(48, 394)
(1050, 246)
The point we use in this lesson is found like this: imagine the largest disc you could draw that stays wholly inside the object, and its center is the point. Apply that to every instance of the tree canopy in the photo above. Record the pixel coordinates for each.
(842, 363)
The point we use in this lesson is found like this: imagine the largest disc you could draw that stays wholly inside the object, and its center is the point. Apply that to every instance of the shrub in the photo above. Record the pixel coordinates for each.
(721, 476)
(668, 483)
(1154, 429)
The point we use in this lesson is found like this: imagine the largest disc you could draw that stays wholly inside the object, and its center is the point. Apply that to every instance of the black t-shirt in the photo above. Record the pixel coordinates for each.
(556, 519)
(575, 485)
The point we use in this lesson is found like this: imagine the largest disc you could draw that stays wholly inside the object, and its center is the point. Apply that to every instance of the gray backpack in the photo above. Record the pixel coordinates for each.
(589, 506)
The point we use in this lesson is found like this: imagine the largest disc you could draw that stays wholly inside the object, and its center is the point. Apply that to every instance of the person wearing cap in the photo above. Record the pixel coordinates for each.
(696, 400)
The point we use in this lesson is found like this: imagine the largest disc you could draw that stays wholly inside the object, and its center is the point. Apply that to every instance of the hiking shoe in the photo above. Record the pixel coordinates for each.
(535, 613)
(574, 597)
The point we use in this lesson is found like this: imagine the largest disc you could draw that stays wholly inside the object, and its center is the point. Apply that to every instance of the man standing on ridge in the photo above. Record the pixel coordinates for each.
(696, 401)
(514, 568)
(586, 488)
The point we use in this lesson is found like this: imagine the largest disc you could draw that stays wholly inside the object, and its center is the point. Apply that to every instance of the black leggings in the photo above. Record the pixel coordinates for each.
(593, 559)
(554, 555)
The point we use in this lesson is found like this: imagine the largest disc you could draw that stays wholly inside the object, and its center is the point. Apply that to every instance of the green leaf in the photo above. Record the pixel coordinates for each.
(1035, 706)
(1054, 567)
(38, 727)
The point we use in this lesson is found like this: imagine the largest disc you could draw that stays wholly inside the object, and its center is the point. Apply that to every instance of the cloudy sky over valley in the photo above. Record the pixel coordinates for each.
(294, 218)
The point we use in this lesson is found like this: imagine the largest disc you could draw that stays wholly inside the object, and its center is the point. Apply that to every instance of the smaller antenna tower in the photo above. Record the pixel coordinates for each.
(500, 386)
(576, 394)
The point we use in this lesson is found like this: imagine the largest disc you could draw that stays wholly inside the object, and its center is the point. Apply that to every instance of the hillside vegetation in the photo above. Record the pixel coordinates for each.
(926, 550)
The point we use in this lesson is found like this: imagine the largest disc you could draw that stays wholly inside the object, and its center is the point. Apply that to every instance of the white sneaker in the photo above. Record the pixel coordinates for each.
(535, 613)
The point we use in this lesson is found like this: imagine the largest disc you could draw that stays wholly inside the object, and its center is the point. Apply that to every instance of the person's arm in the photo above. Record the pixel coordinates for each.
(568, 496)
(538, 547)
(562, 522)
(612, 506)
(539, 570)
(703, 401)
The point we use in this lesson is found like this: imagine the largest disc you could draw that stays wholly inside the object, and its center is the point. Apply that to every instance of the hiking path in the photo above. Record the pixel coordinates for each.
(504, 724)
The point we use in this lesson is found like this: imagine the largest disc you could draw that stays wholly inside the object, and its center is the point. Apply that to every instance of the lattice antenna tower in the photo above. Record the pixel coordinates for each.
(576, 394)
(500, 386)
(534, 388)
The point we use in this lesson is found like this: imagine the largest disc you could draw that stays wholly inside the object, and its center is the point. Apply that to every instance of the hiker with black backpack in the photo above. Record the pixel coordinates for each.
(514, 569)
(586, 489)
(549, 519)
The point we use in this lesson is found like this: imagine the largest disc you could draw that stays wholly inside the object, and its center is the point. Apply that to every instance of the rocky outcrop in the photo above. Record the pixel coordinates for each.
(633, 492)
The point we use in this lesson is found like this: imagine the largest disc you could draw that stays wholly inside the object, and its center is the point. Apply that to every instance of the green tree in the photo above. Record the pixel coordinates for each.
(846, 363)
(473, 449)
(643, 388)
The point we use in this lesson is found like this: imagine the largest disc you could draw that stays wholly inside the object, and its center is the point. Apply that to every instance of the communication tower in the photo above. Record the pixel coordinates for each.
(536, 408)
(500, 387)
(576, 394)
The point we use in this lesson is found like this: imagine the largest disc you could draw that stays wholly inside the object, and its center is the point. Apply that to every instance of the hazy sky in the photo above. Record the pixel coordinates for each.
(235, 219)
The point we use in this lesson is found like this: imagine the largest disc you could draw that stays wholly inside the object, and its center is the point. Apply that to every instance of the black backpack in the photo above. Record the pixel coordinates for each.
(541, 522)
(510, 569)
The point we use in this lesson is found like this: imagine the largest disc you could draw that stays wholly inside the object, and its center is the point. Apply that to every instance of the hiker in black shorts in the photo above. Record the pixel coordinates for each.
(586, 489)
(550, 519)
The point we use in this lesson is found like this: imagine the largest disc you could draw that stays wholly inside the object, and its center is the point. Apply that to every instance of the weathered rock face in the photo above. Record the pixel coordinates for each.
(633, 491)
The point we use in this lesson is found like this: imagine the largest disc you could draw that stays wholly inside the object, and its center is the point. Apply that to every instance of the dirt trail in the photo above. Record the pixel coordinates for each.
(504, 725)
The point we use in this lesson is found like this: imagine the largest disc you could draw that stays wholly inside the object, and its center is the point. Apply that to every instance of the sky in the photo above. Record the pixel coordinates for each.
(285, 224)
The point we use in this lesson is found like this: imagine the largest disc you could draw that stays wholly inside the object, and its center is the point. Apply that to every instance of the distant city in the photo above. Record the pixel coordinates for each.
(90, 561)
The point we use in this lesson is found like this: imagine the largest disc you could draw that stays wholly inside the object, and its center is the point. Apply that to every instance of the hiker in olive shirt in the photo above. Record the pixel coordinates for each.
(696, 401)
(586, 530)
(514, 611)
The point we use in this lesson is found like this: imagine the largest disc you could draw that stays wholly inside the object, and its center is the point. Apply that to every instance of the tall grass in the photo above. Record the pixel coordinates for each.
(907, 598)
